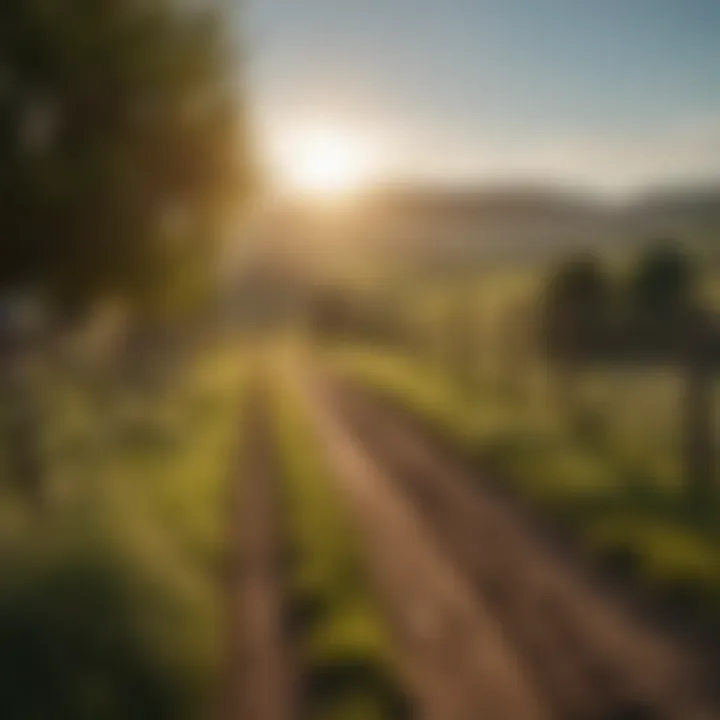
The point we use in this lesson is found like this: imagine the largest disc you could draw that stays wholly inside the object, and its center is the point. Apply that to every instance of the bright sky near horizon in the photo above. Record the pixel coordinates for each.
(613, 93)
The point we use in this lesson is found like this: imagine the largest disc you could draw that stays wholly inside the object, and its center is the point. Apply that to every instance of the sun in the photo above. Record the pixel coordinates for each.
(324, 163)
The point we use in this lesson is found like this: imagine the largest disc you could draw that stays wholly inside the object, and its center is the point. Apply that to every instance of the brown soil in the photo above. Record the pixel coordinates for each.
(259, 682)
(489, 620)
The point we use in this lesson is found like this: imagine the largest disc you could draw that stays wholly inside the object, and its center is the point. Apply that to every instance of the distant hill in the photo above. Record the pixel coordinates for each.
(487, 224)
(450, 227)
(688, 211)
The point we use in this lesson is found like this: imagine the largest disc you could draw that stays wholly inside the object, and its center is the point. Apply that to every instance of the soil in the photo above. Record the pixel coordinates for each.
(489, 620)
(259, 681)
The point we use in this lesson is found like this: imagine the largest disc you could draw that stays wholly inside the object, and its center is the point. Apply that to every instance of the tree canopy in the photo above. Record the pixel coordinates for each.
(663, 281)
(576, 304)
(121, 146)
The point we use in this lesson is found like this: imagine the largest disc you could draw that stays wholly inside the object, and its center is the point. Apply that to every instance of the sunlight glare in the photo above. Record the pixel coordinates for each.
(325, 163)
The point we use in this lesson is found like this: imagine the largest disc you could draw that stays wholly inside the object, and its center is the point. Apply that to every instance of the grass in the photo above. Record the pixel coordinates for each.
(620, 494)
(109, 602)
(343, 646)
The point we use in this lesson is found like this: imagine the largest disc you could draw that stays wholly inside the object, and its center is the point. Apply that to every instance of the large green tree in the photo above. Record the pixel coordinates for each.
(121, 148)
(121, 153)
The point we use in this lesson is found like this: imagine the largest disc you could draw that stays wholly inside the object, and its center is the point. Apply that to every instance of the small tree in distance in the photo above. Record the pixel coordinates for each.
(576, 317)
(662, 285)
(658, 324)
(576, 306)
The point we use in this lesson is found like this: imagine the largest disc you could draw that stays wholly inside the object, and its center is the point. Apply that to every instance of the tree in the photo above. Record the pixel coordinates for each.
(121, 156)
(576, 306)
(576, 320)
(662, 284)
(664, 315)
(118, 146)
(660, 325)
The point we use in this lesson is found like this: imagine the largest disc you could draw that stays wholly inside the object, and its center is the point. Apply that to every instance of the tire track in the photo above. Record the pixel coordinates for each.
(456, 663)
(578, 654)
(259, 682)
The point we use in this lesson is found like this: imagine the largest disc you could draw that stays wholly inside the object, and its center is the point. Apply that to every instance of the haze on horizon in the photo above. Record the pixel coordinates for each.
(615, 95)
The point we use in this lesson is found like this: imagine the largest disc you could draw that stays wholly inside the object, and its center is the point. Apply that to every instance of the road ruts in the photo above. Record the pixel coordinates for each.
(455, 661)
(513, 630)
(259, 682)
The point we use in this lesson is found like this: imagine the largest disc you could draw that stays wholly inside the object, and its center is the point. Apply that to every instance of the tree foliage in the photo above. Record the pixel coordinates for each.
(119, 148)
(576, 306)
(662, 282)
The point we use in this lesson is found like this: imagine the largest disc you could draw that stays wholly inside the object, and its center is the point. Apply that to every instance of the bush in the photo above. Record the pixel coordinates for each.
(89, 634)
(109, 604)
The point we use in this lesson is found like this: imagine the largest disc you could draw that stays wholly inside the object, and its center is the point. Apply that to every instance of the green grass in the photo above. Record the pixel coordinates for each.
(343, 646)
(619, 492)
(109, 602)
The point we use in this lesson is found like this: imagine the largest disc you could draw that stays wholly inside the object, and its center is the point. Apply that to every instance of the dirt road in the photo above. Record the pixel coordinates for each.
(259, 682)
(490, 622)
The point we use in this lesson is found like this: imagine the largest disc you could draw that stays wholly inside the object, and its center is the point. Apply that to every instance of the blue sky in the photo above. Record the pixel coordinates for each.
(614, 93)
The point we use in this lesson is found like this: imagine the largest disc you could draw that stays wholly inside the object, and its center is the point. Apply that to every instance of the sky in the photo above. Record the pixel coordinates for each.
(610, 93)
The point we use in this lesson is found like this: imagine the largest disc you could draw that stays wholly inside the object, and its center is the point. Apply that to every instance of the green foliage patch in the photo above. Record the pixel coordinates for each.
(620, 493)
(109, 602)
(343, 644)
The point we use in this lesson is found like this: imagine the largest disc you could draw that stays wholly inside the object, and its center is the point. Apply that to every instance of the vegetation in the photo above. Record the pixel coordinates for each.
(119, 139)
(343, 645)
(618, 484)
(109, 604)
(123, 158)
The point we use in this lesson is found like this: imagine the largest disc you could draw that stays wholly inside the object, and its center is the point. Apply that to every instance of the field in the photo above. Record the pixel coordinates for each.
(599, 454)
(109, 597)
(395, 524)
(620, 493)
(359, 361)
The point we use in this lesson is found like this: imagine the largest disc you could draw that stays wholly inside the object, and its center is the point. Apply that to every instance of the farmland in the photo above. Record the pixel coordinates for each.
(359, 361)
(371, 533)
(109, 600)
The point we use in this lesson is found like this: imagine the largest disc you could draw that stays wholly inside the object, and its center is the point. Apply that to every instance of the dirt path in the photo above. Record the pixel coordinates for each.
(490, 622)
(456, 663)
(259, 682)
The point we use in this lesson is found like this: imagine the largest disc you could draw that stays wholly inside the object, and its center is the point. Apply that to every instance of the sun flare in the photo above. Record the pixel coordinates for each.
(324, 163)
